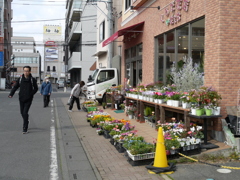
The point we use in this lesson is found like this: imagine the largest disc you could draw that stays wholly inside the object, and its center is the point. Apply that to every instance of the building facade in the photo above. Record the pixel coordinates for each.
(107, 24)
(5, 40)
(80, 39)
(154, 38)
(24, 54)
(54, 66)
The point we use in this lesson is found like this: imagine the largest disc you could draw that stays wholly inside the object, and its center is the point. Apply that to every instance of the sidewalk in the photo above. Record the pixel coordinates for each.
(112, 165)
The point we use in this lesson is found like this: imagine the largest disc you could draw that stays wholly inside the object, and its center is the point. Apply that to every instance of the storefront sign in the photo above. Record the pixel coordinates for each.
(172, 12)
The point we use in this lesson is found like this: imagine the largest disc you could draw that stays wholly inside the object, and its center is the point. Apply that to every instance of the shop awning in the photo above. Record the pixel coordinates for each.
(122, 32)
(93, 67)
(99, 53)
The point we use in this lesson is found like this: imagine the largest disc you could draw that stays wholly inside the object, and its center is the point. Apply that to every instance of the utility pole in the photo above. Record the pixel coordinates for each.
(110, 32)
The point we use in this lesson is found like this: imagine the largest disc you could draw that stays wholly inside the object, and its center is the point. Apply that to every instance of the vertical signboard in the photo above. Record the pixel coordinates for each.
(1, 32)
(51, 51)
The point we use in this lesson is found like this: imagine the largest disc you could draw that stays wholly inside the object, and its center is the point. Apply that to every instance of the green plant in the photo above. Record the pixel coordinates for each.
(234, 155)
(141, 148)
(122, 106)
(171, 144)
(187, 77)
(148, 111)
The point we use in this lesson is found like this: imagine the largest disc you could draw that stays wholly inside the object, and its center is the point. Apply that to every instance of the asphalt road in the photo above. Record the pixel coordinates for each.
(50, 151)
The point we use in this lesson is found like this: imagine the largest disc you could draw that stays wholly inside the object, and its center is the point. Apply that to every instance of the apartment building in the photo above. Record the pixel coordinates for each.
(24, 54)
(80, 39)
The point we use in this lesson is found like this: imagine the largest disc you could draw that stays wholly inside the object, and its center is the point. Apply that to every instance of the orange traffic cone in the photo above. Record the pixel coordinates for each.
(160, 159)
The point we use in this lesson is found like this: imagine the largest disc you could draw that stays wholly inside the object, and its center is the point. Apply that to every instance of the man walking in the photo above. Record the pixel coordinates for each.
(28, 87)
(46, 90)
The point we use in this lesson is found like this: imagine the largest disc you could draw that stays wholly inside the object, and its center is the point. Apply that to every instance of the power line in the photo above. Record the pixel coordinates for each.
(24, 4)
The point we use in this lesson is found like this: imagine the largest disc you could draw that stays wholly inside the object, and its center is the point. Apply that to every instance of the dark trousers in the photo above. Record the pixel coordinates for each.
(77, 101)
(46, 99)
(24, 108)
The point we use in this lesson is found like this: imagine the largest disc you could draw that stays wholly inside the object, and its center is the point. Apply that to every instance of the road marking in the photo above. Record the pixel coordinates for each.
(53, 162)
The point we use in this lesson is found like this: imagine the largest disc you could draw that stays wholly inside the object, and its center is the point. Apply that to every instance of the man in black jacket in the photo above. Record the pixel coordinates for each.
(28, 87)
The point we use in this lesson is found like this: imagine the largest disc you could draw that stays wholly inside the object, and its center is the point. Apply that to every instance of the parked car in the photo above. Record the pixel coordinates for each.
(60, 83)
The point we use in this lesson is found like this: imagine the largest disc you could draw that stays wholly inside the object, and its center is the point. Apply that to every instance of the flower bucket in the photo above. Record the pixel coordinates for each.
(184, 105)
(160, 101)
(198, 112)
(130, 116)
(175, 103)
(193, 111)
(216, 111)
(172, 151)
(156, 100)
(208, 112)
(169, 102)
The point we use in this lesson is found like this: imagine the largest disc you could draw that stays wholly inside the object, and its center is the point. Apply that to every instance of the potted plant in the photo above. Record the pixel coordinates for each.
(122, 106)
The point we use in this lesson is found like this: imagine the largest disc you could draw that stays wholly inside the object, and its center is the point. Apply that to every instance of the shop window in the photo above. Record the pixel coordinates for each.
(182, 38)
(170, 51)
(139, 52)
(133, 52)
(139, 73)
(179, 43)
(102, 31)
(160, 61)
(198, 34)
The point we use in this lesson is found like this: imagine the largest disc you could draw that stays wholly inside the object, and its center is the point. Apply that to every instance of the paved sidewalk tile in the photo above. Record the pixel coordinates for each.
(111, 164)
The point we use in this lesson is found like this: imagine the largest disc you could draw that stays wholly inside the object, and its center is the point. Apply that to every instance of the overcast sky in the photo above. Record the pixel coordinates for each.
(28, 16)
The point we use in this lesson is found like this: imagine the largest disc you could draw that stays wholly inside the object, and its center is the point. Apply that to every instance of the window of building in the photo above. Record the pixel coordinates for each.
(54, 68)
(127, 4)
(48, 68)
(102, 31)
(185, 41)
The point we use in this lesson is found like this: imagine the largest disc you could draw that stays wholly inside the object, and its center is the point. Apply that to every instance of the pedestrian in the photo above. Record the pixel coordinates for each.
(76, 91)
(46, 90)
(28, 87)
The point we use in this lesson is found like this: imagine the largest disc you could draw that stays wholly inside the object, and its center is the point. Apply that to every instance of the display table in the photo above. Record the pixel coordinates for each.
(160, 110)
(206, 145)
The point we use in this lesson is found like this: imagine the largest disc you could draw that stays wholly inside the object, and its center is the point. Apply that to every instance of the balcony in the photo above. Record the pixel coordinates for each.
(75, 61)
(75, 33)
(76, 11)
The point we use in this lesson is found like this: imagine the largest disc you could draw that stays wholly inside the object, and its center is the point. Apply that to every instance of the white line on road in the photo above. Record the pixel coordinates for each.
(53, 164)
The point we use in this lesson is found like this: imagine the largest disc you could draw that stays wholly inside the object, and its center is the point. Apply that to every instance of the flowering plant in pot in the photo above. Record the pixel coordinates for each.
(170, 141)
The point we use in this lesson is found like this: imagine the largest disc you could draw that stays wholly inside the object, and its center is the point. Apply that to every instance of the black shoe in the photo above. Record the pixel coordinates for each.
(25, 132)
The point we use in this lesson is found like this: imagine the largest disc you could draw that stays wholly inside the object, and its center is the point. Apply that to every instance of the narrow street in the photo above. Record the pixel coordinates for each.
(51, 150)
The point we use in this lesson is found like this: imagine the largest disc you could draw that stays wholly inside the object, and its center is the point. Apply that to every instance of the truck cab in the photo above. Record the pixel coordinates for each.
(99, 81)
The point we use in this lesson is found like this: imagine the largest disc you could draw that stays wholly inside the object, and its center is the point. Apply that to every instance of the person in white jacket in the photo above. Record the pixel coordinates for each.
(75, 95)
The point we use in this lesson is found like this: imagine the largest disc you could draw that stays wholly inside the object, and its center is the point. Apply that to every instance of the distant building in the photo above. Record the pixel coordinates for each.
(24, 54)
(5, 39)
(54, 67)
